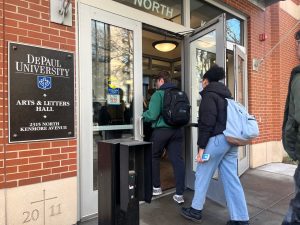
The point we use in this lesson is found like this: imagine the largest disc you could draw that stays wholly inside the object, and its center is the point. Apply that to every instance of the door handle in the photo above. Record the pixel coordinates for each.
(141, 127)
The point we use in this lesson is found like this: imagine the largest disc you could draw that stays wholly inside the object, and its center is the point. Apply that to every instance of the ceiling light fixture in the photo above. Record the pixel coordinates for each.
(165, 45)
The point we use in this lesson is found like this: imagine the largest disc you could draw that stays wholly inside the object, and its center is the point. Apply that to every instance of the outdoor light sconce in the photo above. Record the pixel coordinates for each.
(64, 7)
(61, 12)
(165, 45)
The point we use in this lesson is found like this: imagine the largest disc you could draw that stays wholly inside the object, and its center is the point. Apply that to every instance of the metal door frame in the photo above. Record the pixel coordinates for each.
(215, 191)
(240, 51)
(88, 198)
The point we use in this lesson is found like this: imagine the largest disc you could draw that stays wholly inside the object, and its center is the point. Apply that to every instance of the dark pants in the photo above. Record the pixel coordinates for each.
(171, 139)
(293, 214)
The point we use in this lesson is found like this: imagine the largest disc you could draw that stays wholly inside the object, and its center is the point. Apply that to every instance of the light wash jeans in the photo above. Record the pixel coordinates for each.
(293, 213)
(224, 156)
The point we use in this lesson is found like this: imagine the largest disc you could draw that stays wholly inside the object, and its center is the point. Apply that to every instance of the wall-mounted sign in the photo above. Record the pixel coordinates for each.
(167, 9)
(41, 93)
(155, 6)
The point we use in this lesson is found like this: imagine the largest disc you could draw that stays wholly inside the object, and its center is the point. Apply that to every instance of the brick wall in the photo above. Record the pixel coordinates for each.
(1, 99)
(27, 163)
(274, 60)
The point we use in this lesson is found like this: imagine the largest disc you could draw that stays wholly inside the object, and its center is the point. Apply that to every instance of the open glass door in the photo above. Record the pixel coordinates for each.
(236, 80)
(110, 84)
(240, 74)
(206, 46)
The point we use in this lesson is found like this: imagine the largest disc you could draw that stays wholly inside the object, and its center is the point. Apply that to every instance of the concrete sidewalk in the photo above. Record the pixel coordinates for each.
(268, 191)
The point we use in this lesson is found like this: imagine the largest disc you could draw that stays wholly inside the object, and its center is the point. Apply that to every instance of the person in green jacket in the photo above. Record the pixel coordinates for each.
(291, 135)
(165, 137)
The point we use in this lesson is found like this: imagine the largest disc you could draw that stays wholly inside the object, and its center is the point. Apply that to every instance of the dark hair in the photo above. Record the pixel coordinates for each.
(151, 91)
(215, 73)
(165, 75)
(297, 35)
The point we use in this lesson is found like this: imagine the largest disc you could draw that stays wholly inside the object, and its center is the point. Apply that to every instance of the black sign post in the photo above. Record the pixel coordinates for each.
(41, 93)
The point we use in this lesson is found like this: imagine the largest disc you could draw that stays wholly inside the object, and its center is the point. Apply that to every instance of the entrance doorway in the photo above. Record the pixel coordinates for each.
(117, 64)
(110, 91)
(153, 62)
(208, 46)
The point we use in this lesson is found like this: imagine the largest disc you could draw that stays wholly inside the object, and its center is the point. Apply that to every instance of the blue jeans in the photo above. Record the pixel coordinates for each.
(293, 213)
(224, 156)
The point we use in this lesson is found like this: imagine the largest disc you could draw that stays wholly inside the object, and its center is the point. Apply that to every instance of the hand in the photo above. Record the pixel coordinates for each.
(199, 155)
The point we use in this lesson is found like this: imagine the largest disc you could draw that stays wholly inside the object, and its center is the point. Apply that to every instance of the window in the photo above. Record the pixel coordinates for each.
(202, 12)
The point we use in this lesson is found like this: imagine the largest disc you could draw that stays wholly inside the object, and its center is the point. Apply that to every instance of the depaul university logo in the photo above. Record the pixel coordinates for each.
(44, 82)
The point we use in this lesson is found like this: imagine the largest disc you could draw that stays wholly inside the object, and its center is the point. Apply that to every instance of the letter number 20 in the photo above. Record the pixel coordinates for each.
(34, 215)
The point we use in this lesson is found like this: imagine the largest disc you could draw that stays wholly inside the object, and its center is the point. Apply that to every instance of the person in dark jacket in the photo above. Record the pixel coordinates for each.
(165, 136)
(291, 135)
(211, 124)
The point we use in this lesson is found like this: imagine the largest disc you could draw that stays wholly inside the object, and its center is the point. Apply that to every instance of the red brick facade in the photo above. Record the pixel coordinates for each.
(1, 99)
(29, 22)
(27, 163)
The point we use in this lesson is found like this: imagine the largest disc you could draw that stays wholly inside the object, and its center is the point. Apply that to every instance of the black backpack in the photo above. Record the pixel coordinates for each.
(176, 107)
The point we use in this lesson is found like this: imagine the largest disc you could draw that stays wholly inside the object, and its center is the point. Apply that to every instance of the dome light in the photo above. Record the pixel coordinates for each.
(165, 45)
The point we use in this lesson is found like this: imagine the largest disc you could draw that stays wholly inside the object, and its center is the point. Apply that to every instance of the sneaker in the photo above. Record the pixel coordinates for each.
(178, 198)
(156, 191)
(233, 222)
(192, 214)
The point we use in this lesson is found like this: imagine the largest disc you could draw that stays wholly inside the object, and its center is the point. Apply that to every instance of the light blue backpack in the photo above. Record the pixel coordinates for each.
(241, 127)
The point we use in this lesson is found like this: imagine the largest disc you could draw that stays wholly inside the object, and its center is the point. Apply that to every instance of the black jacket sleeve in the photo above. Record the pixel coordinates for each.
(207, 119)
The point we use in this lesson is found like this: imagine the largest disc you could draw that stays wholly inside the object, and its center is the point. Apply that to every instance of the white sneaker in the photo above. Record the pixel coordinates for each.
(156, 191)
(178, 198)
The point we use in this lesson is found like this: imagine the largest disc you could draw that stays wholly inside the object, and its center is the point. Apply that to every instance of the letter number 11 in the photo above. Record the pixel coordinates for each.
(55, 210)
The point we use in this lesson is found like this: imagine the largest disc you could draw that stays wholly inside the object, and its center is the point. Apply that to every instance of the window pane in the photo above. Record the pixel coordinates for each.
(241, 97)
(203, 56)
(240, 80)
(112, 83)
(230, 71)
(202, 12)
(233, 30)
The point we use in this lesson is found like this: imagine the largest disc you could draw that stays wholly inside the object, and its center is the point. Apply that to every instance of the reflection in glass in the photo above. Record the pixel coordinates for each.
(233, 30)
(112, 84)
(230, 80)
(241, 96)
(202, 12)
(240, 80)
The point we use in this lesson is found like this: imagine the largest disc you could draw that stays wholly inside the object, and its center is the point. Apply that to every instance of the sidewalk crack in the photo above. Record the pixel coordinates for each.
(273, 204)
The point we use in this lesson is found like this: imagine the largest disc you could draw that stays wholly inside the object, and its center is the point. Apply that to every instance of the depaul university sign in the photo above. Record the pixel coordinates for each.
(41, 93)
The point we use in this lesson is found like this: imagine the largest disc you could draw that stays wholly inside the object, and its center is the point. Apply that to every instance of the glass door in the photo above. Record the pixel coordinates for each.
(240, 74)
(236, 80)
(110, 81)
(206, 46)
